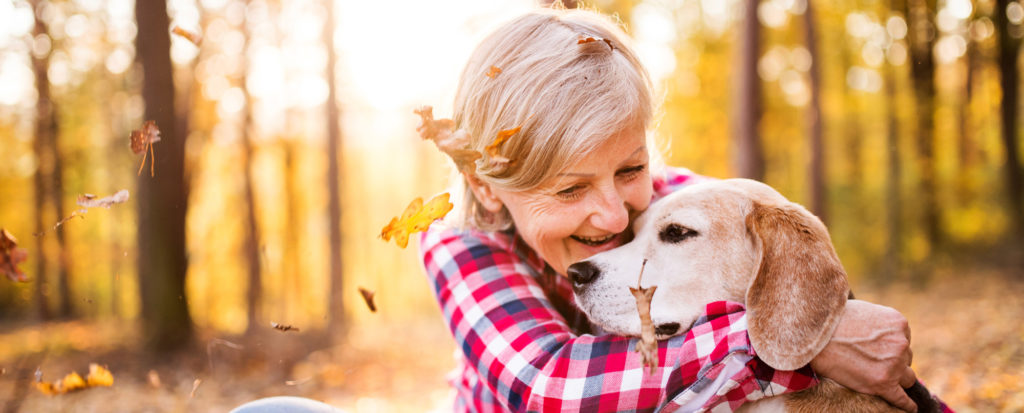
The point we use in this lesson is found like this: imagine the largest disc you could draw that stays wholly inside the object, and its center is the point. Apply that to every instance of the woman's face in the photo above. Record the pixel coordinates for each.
(587, 208)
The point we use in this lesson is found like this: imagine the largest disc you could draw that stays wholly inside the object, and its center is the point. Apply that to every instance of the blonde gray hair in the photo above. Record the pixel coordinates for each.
(568, 78)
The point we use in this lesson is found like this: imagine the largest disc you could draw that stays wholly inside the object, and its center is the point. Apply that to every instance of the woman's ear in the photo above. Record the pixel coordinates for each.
(484, 194)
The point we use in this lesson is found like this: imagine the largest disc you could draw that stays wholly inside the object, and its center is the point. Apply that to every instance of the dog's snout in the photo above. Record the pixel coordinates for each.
(583, 272)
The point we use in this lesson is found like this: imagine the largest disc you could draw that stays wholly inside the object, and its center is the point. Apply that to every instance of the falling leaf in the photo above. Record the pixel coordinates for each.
(98, 377)
(10, 256)
(368, 297)
(90, 200)
(154, 379)
(647, 346)
(143, 139)
(416, 218)
(283, 327)
(195, 386)
(495, 146)
(191, 36)
(493, 72)
(454, 143)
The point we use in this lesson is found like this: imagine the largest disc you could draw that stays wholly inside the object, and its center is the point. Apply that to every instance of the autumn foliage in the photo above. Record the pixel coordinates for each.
(416, 218)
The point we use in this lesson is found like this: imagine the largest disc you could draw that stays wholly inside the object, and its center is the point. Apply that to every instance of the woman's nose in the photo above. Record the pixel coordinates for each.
(610, 212)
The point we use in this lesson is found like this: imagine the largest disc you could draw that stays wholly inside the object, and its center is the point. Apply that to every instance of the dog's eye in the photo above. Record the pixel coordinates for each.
(673, 233)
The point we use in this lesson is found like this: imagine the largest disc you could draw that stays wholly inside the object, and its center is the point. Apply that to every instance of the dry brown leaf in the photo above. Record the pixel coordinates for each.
(416, 218)
(189, 35)
(90, 200)
(368, 298)
(195, 386)
(142, 140)
(11, 256)
(583, 40)
(495, 146)
(453, 143)
(647, 346)
(493, 72)
(283, 327)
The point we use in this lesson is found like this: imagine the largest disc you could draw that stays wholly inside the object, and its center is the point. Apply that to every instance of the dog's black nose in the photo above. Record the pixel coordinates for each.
(583, 272)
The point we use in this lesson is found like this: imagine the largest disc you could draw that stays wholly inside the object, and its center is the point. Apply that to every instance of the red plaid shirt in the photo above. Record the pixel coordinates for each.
(523, 346)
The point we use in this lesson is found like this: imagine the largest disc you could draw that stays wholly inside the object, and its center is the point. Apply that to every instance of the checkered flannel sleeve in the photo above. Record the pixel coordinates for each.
(527, 358)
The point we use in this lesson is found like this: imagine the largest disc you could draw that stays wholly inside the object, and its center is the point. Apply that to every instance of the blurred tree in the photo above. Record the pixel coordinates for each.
(922, 33)
(251, 245)
(749, 153)
(965, 142)
(335, 306)
(163, 198)
(894, 174)
(1009, 47)
(49, 175)
(816, 166)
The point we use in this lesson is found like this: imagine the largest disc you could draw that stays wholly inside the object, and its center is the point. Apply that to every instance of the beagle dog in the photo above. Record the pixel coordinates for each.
(736, 240)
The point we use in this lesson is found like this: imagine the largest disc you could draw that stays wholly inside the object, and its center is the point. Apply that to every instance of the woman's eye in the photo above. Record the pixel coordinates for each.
(632, 172)
(571, 193)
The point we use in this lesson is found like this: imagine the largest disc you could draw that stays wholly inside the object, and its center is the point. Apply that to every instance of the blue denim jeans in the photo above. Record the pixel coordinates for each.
(285, 404)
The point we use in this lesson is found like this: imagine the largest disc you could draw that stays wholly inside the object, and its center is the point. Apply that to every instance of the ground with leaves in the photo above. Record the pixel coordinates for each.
(967, 339)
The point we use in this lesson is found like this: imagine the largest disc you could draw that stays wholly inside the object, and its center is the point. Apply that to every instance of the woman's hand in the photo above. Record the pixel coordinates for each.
(870, 353)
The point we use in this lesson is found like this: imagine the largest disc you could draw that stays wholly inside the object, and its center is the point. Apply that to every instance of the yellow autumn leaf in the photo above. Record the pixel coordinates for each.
(99, 376)
(495, 145)
(47, 388)
(71, 382)
(416, 218)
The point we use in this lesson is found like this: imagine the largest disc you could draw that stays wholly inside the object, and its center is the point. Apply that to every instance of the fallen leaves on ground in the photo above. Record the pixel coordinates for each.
(453, 143)
(98, 376)
(368, 298)
(191, 36)
(142, 140)
(416, 218)
(647, 346)
(11, 256)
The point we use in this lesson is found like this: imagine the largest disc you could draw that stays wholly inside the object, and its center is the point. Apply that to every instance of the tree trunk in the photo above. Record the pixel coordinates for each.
(893, 200)
(163, 198)
(816, 164)
(336, 308)
(749, 155)
(1008, 78)
(922, 34)
(965, 145)
(254, 294)
(43, 179)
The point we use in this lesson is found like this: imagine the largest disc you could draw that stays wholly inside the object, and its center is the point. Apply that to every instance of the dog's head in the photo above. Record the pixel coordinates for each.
(737, 240)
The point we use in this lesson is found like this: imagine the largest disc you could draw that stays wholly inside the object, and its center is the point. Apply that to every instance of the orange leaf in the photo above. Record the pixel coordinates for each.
(647, 346)
(191, 36)
(495, 146)
(453, 143)
(416, 218)
(493, 72)
(11, 256)
(368, 297)
(99, 376)
(143, 139)
(586, 40)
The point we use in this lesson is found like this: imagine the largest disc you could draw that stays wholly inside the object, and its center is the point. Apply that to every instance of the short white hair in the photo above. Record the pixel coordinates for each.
(568, 77)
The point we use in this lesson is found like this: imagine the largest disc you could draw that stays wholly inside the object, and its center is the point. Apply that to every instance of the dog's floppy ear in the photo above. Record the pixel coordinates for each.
(799, 292)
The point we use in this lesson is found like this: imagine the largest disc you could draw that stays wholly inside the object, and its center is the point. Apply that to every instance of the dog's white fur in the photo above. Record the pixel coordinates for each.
(748, 244)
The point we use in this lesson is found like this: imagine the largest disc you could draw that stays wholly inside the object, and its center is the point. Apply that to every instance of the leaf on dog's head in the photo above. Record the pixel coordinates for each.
(493, 72)
(454, 143)
(11, 256)
(416, 218)
(368, 298)
(647, 346)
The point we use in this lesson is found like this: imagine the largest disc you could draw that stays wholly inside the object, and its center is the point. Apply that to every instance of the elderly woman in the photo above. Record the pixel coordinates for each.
(576, 174)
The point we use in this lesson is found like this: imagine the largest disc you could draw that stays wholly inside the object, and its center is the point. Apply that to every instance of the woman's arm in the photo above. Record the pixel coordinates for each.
(870, 353)
(527, 357)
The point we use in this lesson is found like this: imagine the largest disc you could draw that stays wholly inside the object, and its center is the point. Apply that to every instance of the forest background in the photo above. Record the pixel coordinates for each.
(288, 140)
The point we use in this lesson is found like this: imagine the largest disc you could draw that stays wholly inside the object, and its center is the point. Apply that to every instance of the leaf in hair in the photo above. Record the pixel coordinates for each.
(416, 218)
(586, 40)
(493, 72)
(495, 146)
(453, 143)
(647, 346)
